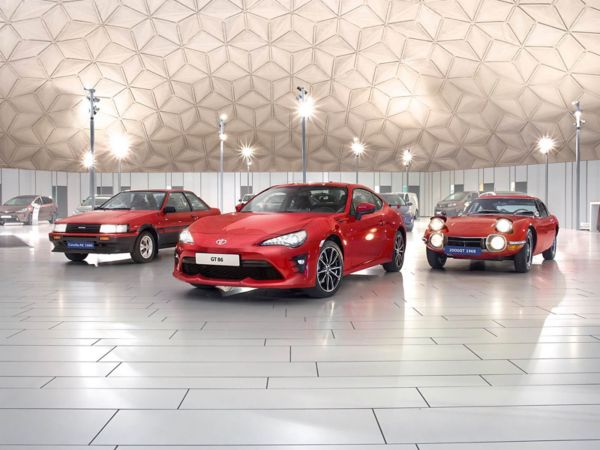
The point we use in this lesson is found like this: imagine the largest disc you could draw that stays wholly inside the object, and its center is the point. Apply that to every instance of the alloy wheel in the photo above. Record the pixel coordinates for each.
(329, 269)
(399, 248)
(146, 247)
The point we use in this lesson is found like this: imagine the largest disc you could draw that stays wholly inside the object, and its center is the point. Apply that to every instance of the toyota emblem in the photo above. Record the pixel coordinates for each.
(221, 241)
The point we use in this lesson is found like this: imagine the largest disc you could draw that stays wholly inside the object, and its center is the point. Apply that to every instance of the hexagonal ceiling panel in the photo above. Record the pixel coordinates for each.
(463, 83)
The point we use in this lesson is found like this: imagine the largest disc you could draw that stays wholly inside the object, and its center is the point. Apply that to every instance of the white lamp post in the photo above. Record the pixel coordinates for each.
(358, 148)
(578, 123)
(306, 108)
(546, 145)
(222, 139)
(119, 146)
(407, 158)
(93, 109)
(247, 153)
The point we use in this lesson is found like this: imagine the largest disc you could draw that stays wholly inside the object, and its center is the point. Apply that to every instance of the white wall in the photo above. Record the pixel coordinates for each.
(433, 185)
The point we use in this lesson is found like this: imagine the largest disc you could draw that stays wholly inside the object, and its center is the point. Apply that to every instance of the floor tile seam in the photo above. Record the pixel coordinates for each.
(103, 427)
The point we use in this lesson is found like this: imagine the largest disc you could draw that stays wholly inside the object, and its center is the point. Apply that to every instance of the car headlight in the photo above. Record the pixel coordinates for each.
(60, 227)
(288, 240)
(185, 237)
(23, 210)
(451, 205)
(496, 243)
(436, 240)
(436, 224)
(504, 225)
(113, 228)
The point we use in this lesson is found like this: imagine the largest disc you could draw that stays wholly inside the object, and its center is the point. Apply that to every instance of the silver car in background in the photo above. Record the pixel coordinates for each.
(455, 203)
(86, 205)
(413, 199)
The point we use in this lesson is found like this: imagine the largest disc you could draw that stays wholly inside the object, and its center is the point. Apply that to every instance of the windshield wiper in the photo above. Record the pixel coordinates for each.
(487, 211)
(117, 209)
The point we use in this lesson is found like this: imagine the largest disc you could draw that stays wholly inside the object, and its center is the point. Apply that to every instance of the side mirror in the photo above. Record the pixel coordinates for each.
(169, 210)
(239, 207)
(364, 208)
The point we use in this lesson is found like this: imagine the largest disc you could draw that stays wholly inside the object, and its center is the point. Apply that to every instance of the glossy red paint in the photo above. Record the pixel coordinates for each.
(365, 239)
(542, 225)
(162, 224)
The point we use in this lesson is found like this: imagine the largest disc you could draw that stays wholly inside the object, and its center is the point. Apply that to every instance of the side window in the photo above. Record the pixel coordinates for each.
(38, 201)
(47, 200)
(361, 196)
(197, 204)
(542, 209)
(178, 201)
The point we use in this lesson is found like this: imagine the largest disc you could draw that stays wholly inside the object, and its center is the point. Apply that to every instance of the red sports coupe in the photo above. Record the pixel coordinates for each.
(293, 236)
(494, 227)
(135, 222)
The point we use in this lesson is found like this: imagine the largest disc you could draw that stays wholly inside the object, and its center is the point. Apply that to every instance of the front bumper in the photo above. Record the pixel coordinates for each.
(93, 243)
(260, 267)
(13, 217)
(512, 247)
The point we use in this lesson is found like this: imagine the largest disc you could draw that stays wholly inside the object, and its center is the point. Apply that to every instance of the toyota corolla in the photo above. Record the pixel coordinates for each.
(134, 222)
(293, 236)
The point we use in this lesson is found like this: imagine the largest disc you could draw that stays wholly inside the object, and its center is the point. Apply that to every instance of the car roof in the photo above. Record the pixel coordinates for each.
(507, 195)
(157, 190)
(325, 184)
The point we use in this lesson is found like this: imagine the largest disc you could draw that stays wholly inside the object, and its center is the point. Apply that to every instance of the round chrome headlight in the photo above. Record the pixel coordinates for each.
(436, 224)
(496, 243)
(504, 226)
(436, 240)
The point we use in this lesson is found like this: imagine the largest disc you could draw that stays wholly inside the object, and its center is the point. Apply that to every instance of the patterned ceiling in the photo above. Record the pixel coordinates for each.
(463, 83)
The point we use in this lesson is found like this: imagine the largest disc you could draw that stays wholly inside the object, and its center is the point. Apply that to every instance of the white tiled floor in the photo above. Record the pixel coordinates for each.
(472, 358)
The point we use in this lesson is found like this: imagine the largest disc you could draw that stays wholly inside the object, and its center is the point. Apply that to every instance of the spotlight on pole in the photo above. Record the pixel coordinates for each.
(92, 110)
(119, 146)
(358, 148)
(578, 123)
(306, 109)
(407, 158)
(546, 145)
(88, 160)
(222, 138)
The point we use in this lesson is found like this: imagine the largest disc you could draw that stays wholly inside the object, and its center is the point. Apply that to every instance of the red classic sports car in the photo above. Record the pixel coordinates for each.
(494, 227)
(293, 236)
(135, 222)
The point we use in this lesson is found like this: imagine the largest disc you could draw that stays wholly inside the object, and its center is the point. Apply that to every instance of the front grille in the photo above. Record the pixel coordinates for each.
(255, 269)
(83, 228)
(466, 242)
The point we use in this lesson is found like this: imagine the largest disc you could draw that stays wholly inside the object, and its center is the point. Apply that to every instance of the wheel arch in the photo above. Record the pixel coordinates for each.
(151, 229)
(335, 238)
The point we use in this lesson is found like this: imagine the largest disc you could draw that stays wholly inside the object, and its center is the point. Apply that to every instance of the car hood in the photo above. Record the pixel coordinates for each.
(105, 216)
(11, 208)
(477, 226)
(253, 224)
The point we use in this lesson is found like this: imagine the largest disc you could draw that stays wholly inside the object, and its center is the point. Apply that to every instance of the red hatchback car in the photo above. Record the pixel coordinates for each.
(494, 227)
(293, 236)
(135, 222)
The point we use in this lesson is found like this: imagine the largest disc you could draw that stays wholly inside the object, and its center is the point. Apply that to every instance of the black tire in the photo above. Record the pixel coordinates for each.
(145, 248)
(416, 214)
(409, 229)
(524, 258)
(395, 265)
(76, 257)
(52, 218)
(436, 260)
(329, 271)
(551, 252)
(28, 220)
(203, 286)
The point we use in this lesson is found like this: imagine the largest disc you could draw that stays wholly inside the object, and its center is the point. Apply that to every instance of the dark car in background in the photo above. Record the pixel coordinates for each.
(396, 201)
(455, 203)
(23, 209)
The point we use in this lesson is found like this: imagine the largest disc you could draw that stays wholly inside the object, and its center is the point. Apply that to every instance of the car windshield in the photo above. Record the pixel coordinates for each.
(315, 199)
(457, 196)
(517, 206)
(393, 199)
(22, 200)
(136, 200)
